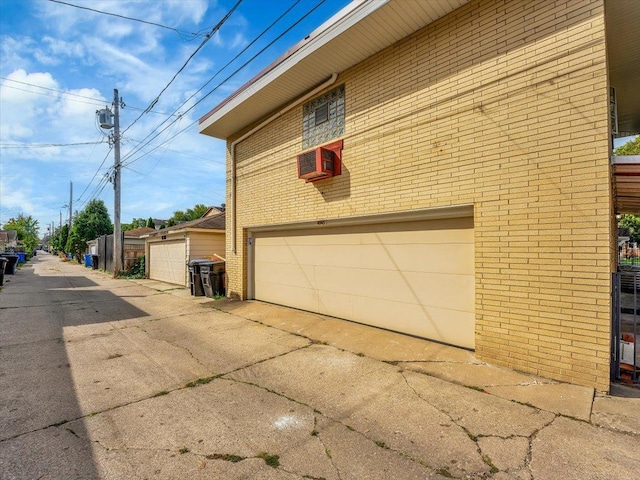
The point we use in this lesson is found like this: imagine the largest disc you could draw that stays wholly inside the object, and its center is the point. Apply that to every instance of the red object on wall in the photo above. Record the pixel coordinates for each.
(321, 162)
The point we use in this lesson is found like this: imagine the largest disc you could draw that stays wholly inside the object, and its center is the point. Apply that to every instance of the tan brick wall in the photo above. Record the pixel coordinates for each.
(502, 104)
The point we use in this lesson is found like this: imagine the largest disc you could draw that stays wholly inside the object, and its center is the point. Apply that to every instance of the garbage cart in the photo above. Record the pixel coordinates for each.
(12, 263)
(3, 263)
(212, 274)
(195, 280)
(87, 260)
(94, 261)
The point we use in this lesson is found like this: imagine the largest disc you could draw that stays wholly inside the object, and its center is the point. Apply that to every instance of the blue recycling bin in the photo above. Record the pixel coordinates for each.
(87, 260)
(22, 257)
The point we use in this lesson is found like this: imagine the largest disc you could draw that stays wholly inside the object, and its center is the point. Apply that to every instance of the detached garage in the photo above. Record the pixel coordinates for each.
(410, 275)
(169, 250)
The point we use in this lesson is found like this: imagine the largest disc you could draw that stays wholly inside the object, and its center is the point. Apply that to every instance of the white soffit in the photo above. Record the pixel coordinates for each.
(358, 31)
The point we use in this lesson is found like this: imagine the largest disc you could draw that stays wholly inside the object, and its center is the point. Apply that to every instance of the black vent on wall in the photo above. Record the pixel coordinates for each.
(307, 162)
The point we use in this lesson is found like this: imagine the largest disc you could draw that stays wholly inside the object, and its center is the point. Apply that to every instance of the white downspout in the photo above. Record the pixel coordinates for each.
(232, 148)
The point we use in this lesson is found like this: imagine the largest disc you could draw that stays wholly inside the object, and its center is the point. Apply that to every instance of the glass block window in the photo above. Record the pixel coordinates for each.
(323, 118)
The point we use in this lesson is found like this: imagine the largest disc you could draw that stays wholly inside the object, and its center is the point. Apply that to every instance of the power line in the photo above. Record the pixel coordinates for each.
(216, 87)
(46, 145)
(94, 176)
(137, 149)
(204, 42)
(182, 33)
(94, 101)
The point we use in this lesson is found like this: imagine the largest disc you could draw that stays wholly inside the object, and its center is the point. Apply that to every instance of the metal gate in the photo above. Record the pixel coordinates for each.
(625, 354)
(105, 252)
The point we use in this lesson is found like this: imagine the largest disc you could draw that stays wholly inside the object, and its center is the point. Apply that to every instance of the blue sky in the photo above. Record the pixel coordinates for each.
(59, 64)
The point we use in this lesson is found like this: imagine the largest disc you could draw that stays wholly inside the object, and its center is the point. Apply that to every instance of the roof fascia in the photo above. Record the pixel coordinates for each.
(332, 28)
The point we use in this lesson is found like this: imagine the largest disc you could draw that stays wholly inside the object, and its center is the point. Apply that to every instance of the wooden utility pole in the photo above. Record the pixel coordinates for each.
(70, 205)
(117, 234)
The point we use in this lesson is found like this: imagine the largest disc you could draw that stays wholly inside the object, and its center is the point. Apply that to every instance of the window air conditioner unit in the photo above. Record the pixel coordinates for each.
(321, 162)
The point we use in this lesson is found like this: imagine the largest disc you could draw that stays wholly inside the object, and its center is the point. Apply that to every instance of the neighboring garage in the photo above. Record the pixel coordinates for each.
(169, 250)
(414, 277)
(168, 261)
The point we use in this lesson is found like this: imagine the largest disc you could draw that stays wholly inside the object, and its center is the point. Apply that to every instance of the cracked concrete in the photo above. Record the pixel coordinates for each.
(97, 389)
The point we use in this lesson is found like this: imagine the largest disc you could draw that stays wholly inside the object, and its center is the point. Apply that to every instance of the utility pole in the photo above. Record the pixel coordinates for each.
(117, 234)
(104, 119)
(70, 204)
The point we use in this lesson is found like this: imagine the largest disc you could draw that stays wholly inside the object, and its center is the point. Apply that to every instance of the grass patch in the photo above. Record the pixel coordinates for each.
(201, 381)
(381, 444)
(227, 457)
(271, 460)
(487, 460)
(444, 471)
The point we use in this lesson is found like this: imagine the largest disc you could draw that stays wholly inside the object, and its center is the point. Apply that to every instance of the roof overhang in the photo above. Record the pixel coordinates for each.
(361, 29)
(623, 55)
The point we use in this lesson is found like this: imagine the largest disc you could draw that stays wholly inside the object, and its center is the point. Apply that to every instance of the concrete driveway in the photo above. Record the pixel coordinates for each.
(123, 379)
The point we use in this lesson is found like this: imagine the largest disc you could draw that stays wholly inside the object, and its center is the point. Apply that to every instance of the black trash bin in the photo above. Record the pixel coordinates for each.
(195, 281)
(12, 263)
(212, 280)
(3, 263)
(94, 261)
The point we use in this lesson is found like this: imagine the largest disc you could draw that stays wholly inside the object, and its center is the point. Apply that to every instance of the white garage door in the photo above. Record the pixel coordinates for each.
(167, 262)
(413, 277)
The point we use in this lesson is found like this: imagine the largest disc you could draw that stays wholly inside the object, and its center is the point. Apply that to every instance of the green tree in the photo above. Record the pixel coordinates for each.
(135, 223)
(27, 230)
(190, 214)
(59, 238)
(630, 148)
(632, 222)
(89, 224)
(150, 223)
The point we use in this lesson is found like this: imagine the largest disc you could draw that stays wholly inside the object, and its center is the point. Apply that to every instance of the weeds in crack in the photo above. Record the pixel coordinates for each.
(444, 471)
(486, 459)
(315, 433)
(271, 460)
(227, 457)
(183, 450)
(477, 389)
(311, 477)
(381, 444)
(160, 394)
(526, 404)
(201, 381)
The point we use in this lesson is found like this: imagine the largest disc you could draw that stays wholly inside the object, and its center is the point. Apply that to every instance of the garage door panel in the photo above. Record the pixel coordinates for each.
(413, 277)
(287, 274)
(442, 258)
(443, 291)
(440, 324)
(167, 262)
(293, 296)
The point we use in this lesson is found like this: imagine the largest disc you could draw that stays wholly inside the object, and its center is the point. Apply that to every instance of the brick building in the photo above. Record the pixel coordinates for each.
(475, 198)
